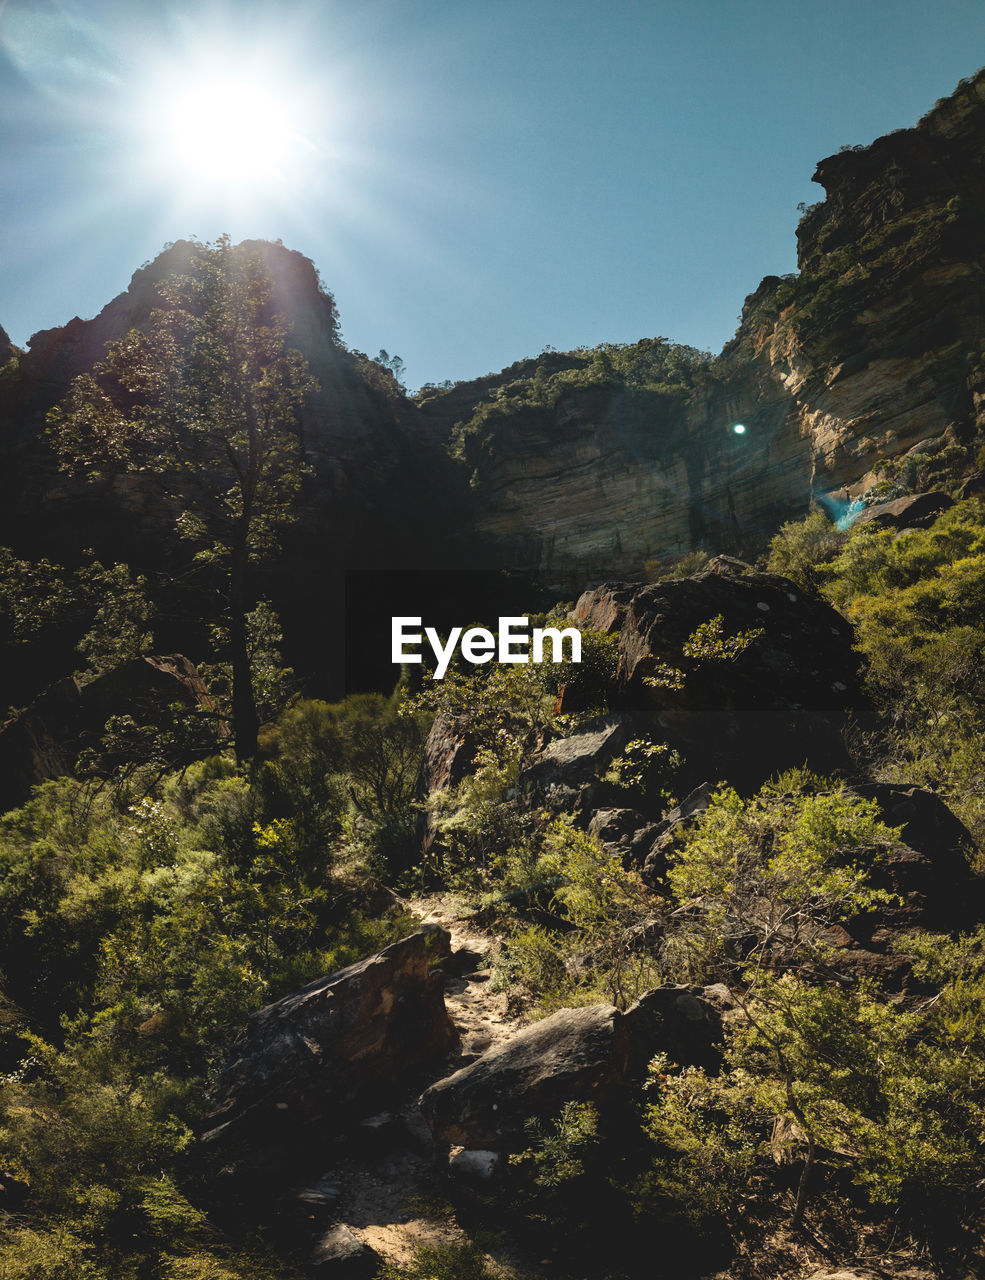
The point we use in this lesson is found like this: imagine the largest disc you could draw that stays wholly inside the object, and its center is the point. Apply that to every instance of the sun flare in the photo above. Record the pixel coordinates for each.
(229, 131)
(209, 131)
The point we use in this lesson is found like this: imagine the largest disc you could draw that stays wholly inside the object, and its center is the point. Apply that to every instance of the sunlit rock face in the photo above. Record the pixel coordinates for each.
(872, 351)
(611, 476)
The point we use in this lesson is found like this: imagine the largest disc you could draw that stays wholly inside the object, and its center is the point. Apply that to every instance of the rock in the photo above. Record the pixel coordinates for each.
(567, 773)
(728, 565)
(624, 832)
(475, 1166)
(45, 739)
(914, 511)
(336, 1049)
(682, 1021)
(929, 875)
(973, 487)
(781, 702)
(666, 831)
(930, 869)
(577, 1055)
(341, 1255)
(449, 753)
(317, 1196)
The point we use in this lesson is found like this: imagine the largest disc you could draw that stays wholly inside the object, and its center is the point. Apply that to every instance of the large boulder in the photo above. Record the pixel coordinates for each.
(928, 872)
(580, 1055)
(914, 511)
(625, 833)
(449, 754)
(782, 701)
(45, 739)
(340, 1046)
(567, 773)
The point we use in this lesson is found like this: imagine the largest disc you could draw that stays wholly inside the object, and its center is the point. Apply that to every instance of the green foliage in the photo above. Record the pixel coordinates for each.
(590, 954)
(589, 683)
(362, 753)
(891, 1096)
(706, 644)
(106, 609)
(203, 403)
(441, 1262)
(763, 876)
(802, 548)
(647, 769)
(556, 1154)
(709, 1138)
(501, 703)
(916, 601)
(137, 934)
(691, 563)
(273, 683)
(652, 367)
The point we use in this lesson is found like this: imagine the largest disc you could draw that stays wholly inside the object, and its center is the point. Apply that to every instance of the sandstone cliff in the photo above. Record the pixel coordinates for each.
(861, 375)
(871, 354)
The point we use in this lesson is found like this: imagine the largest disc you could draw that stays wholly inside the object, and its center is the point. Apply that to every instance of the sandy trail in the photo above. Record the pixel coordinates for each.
(395, 1200)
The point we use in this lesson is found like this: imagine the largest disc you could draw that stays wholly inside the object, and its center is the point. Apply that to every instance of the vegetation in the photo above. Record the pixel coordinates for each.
(204, 402)
(142, 922)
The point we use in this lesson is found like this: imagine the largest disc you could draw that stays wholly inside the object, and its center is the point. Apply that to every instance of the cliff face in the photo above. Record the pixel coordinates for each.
(583, 465)
(871, 351)
(360, 435)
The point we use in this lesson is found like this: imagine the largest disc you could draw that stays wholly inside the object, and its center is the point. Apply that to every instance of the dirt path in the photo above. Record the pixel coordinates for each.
(395, 1200)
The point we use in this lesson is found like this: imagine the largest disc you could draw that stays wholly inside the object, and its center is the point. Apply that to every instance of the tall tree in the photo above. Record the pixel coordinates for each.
(204, 399)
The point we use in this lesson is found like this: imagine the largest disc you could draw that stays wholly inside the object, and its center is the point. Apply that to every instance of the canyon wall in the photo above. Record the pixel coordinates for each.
(872, 352)
(860, 374)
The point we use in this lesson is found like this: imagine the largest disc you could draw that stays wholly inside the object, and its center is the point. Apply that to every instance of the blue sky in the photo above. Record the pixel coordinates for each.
(474, 181)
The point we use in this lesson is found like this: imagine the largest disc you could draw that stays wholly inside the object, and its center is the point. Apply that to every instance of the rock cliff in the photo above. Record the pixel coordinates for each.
(870, 355)
(863, 374)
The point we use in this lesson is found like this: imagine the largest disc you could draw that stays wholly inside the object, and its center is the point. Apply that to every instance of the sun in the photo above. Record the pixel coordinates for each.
(212, 132)
(228, 131)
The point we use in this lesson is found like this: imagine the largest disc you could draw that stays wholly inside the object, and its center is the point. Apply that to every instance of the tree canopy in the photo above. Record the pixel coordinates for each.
(203, 400)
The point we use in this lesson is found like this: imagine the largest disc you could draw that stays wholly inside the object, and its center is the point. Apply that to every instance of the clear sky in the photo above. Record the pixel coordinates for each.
(474, 179)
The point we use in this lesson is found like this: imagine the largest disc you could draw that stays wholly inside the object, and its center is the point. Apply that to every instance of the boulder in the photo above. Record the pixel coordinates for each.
(580, 1055)
(449, 754)
(44, 740)
(339, 1047)
(666, 831)
(914, 511)
(929, 870)
(340, 1255)
(626, 833)
(930, 877)
(783, 701)
(567, 772)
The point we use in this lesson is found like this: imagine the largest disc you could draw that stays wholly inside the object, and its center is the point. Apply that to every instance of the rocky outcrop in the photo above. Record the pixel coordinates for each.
(338, 1047)
(871, 353)
(929, 872)
(575, 1054)
(449, 753)
(626, 833)
(45, 739)
(917, 511)
(566, 774)
(779, 703)
(667, 832)
(340, 1255)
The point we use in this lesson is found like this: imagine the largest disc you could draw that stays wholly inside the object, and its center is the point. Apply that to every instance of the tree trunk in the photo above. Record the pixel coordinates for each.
(246, 724)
